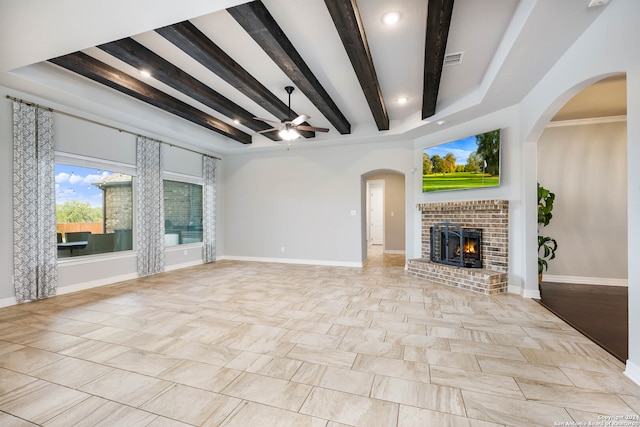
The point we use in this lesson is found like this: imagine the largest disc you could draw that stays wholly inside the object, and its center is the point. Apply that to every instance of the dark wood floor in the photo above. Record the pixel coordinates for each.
(600, 312)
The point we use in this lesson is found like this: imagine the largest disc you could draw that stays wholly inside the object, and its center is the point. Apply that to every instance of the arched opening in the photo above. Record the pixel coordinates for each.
(582, 159)
(383, 216)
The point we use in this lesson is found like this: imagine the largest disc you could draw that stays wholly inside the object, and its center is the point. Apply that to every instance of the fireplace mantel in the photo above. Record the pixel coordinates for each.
(492, 216)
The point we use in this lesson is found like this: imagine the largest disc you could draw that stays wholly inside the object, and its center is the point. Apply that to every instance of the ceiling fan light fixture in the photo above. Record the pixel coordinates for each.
(289, 134)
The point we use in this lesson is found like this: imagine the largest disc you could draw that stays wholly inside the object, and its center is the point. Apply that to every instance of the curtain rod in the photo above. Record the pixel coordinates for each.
(64, 113)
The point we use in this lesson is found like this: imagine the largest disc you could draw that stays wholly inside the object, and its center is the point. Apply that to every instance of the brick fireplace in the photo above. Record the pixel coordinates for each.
(490, 216)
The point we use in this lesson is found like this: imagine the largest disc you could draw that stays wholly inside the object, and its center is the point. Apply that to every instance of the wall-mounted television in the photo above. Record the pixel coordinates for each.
(471, 162)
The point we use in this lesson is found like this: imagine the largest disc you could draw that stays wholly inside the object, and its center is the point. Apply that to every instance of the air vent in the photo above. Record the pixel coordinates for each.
(453, 59)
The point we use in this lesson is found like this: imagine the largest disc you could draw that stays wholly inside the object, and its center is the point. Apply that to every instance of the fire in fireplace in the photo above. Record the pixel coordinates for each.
(453, 245)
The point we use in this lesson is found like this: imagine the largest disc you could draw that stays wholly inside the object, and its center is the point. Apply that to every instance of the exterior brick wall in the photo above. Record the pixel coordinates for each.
(182, 205)
(492, 216)
(118, 205)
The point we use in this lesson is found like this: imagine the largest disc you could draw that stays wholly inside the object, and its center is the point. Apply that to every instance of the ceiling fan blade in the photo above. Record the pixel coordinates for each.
(268, 130)
(312, 128)
(266, 120)
(300, 119)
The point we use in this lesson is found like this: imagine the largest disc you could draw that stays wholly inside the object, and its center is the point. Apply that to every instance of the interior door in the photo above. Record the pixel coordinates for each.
(376, 213)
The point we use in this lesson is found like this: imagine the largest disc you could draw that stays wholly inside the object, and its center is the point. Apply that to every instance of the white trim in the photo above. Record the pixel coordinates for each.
(591, 121)
(111, 280)
(95, 283)
(183, 265)
(514, 289)
(181, 246)
(602, 281)
(394, 251)
(182, 177)
(7, 302)
(90, 259)
(632, 372)
(292, 261)
(94, 162)
(531, 293)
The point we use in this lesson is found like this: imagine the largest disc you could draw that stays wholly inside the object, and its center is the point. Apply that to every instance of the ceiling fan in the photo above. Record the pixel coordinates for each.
(289, 127)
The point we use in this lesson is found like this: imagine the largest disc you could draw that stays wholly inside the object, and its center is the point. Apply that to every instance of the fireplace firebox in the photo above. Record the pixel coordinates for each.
(453, 245)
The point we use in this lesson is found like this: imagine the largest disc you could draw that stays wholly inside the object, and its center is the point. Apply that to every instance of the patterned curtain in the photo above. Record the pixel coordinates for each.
(209, 208)
(150, 207)
(35, 267)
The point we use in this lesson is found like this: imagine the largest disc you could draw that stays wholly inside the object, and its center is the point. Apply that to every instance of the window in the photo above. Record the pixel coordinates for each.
(182, 212)
(94, 210)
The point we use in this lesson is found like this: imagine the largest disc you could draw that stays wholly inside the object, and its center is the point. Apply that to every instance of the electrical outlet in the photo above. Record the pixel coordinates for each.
(282, 249)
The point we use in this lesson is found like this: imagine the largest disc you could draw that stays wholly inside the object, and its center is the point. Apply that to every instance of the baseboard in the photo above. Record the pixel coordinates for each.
(292, 261)
(514, 289)
(183, 265)
(7, 302)
(530, 293)
(603, 281)
(62, 290)
(633, 372)
(394, 251)
(95, 283)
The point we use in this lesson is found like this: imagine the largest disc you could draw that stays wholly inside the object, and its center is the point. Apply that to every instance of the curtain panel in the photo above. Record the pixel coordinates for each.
(35, 268)
(209, 208)
(150, 207)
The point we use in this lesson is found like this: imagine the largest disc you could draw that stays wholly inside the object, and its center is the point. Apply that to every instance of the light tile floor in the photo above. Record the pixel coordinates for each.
(256, 344)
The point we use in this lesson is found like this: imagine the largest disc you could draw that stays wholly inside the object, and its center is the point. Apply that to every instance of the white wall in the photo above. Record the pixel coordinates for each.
(585, 166)
(302, 200)
(601, 51)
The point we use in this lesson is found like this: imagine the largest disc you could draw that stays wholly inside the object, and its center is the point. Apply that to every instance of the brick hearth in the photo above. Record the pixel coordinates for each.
(492, 216)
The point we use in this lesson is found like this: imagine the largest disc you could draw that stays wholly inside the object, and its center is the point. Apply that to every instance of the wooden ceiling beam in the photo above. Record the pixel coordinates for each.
(100, 72)
(346, 17)
(194, 43)
(438, 21)
(263, 28)
(141, 58)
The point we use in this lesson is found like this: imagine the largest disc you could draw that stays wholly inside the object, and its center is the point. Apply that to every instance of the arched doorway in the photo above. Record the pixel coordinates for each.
(383, 219)
(581, 157)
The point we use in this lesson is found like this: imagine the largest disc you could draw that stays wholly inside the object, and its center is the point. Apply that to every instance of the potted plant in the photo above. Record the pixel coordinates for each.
(546, 245)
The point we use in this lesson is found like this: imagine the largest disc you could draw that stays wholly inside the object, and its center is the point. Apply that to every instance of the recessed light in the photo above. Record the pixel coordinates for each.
(145, 73)
(402, 100)
(391, 18)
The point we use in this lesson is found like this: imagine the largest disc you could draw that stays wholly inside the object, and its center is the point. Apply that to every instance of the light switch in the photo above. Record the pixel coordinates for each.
(353, 213)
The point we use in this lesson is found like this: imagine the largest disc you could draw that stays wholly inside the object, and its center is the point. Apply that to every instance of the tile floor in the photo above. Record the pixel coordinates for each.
(254, 344)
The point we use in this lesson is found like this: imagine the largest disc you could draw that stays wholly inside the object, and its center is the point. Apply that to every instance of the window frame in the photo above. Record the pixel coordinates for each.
(111, 166)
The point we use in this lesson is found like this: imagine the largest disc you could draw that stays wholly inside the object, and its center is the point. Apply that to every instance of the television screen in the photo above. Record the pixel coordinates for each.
(471, 162)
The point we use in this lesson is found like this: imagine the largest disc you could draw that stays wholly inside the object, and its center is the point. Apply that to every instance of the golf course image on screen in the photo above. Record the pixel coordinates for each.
(470, 162)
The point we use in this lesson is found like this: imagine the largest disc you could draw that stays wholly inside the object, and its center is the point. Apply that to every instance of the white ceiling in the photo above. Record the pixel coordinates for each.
(508, 46)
